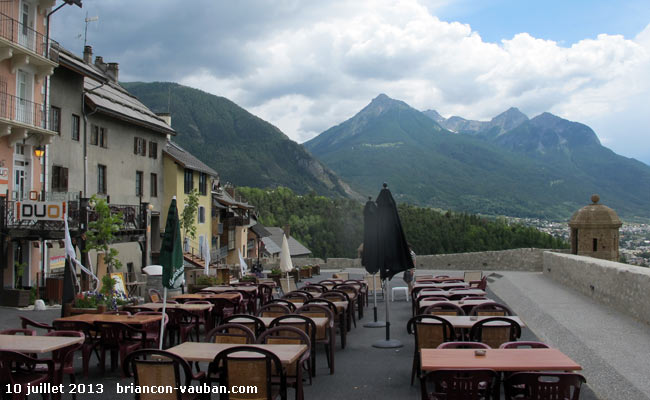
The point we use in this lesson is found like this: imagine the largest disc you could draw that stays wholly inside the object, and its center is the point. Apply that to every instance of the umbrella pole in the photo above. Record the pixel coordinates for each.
(162, 321)
(375, 323)
(388, 343)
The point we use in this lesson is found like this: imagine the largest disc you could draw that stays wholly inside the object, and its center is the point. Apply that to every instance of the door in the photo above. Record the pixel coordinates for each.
(26, 36)
(19, 180)
(24, 96)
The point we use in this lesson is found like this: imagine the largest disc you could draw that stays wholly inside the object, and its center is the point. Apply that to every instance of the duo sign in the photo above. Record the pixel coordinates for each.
(39, 210)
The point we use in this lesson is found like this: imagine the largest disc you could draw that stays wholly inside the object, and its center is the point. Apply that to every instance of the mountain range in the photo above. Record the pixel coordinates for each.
(544, 167)
(511, 165)
(244, 149)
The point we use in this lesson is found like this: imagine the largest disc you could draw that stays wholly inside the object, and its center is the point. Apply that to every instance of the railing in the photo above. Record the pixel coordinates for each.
(133, 216)
(27, 37)
(21, 110)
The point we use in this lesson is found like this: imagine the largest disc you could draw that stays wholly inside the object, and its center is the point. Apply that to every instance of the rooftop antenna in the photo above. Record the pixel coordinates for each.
(88, 20)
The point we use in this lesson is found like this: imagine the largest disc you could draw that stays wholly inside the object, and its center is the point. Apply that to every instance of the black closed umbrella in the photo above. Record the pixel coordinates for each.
(369, 258)
(390, 250)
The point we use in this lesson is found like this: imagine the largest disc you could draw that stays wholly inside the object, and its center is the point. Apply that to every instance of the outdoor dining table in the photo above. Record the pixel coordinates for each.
(188, 307)
(36, 344)
(466, 321)
(498, 360)
(459, 303)
(249, 289)
(447, 293)
(125, 319)
(205, 296)
(439, 285)
(205, 352)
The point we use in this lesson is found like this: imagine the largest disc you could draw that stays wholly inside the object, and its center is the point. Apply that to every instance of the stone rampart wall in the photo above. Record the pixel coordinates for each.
(621, 286)
(504, 260)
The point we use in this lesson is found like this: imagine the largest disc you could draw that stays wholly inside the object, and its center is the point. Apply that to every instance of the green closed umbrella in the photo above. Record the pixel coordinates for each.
(171, 257)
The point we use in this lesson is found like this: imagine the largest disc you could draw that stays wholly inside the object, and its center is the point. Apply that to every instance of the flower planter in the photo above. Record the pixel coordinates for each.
(14, 297)
(275, 277)
(305, 273)
(69, 310)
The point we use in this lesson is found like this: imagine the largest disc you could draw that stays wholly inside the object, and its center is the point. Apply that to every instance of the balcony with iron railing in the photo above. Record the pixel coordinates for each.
(24, 112)
(21, 36)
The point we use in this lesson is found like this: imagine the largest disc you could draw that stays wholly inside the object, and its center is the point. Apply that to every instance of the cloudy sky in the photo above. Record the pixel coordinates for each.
(308, 65)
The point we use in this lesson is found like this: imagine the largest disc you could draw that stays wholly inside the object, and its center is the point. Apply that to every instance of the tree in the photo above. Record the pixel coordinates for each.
(101, 232)
(188, 215)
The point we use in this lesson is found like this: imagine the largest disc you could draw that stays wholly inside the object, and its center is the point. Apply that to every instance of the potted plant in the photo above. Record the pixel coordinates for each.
(275, 274)
(202, 282)
(101, 234)
(98, 302)
(305, 272)
(248, 278)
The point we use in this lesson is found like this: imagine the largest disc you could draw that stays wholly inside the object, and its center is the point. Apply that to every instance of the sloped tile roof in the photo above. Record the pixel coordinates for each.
(295, 247)
(186, 159)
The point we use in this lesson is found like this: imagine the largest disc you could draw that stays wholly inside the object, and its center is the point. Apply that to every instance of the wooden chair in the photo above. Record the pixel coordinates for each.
(288, 285)
(291, 335)
(443, 308)
(254, 368)
(467, 384)
(430, 332)
(285, 303)
(253, 323)
(469, 276)
(326, 335)
(491, 309)
(155, 368)
(339, 317)
(495, 336)
(231, 333)
(273, 310)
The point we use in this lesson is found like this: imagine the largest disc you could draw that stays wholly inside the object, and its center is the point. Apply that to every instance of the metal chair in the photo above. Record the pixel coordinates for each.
(231, 333)
(273, 310)
(491, 309)
(542, 385)
(450, 384)
(442, 308)
(252, 322)
(495, 335)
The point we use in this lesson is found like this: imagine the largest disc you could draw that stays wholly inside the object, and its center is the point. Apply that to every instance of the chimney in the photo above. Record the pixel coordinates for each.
(88, 54)
(99, 63)
(287, 230)
(113, 71)
(167, 117)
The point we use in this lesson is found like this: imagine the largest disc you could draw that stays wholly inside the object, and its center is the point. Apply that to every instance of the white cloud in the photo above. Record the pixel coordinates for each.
(308, 66)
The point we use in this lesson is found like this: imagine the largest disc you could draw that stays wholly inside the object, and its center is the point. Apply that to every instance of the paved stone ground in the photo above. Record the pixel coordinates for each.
(362, 371)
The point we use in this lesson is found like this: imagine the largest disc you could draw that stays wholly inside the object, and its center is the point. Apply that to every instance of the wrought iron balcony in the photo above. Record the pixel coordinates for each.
(26, 37)
(24, 111)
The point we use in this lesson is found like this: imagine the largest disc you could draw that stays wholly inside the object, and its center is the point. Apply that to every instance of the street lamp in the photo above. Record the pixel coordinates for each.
(39, 151)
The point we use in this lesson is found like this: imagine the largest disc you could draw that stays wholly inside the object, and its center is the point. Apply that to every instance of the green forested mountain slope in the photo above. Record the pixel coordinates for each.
(242, 148)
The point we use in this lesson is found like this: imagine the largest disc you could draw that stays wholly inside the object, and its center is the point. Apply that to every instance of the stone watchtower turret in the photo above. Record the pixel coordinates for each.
(594, 231)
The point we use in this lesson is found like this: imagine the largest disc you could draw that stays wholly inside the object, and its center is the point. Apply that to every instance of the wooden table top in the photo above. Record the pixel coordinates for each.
(188, 307)
(36, 344)
(464, 321)
(440, 285)
(445, 293)
(197, 296)
(319, 322)
(227, 288)
(427, 303)
(498, 360)
(205, 352)
(125, 319)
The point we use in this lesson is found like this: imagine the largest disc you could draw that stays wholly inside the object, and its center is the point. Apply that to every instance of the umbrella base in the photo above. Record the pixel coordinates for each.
(387, 344)
(375, 324)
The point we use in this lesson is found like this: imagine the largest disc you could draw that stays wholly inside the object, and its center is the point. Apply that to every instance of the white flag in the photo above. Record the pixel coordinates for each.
(72, 255)
(242, 264)
(206, 256)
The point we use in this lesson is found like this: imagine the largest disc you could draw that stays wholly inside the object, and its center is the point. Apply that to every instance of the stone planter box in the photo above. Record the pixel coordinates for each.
(14, 297)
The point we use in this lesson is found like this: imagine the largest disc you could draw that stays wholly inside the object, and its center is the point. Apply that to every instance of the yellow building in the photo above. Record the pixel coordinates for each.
(182, 174)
